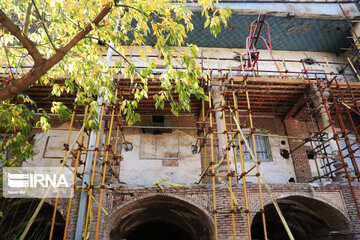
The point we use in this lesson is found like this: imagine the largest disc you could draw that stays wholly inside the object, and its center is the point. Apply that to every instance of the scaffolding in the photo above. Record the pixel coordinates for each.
(233, 141)
(340, 106)
(222, 167)
(225, 165)
(106, 157)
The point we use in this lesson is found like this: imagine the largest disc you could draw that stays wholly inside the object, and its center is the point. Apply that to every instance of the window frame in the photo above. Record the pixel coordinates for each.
(265, 136)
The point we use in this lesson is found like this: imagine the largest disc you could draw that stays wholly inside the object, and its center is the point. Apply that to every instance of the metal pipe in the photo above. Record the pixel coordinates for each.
(93, 142)
(213, 166)
(259, 173)
(58, 192)
(75, 171)
(227, 149)
(87, 179)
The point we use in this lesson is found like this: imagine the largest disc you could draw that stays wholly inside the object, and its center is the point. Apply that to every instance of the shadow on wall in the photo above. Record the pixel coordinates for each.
(307, 218)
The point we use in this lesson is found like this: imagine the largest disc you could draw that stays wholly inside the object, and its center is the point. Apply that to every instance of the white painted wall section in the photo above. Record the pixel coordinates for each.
(142, 171)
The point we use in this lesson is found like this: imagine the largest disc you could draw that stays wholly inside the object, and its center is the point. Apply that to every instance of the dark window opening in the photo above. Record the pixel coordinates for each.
(158, 125)
(310, 154)
(158, 120)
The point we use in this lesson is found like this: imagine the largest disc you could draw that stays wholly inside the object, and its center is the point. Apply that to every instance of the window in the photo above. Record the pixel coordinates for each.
(263, 150)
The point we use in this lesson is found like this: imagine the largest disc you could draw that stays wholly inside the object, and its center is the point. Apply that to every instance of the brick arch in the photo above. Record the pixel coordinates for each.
(61, 207)
(132, 205)
(268, 201)
(316, 210)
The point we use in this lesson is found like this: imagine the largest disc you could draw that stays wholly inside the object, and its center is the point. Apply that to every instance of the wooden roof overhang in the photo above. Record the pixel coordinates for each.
(267, 95)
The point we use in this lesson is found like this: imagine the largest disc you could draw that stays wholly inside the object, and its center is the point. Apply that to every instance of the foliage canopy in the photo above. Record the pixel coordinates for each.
(59, 39)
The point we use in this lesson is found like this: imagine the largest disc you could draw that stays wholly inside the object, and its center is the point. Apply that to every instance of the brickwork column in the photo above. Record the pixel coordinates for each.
(299, 157)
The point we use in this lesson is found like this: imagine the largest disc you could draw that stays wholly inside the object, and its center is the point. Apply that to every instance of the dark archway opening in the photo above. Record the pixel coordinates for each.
(158, 230)
(162, 217)
(307, 218)
(17, 213)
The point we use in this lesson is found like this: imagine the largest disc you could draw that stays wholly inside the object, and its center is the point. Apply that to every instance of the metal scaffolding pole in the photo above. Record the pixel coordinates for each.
(90, 164)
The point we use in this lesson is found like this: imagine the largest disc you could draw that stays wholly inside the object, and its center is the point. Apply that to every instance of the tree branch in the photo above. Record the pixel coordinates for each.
(127, 6)
(42, 21)
(120, 55)
(27, 19)
(26, 42)
(36, 72)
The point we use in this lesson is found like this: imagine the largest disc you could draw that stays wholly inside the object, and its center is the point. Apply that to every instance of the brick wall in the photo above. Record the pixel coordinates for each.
(334, 195)
(350, 205)
(301, 163)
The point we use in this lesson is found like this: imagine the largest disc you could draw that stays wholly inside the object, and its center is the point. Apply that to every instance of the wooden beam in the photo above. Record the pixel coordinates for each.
(298, 106)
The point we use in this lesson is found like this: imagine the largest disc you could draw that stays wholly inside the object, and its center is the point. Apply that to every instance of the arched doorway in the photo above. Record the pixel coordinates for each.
(161, 217)
(17, 212)
(307, 218)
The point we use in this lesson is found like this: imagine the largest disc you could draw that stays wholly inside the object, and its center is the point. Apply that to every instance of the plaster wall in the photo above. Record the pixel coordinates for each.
(214, 59)
(278, 169)
(49, 147)
(184, 168)
(136, 169)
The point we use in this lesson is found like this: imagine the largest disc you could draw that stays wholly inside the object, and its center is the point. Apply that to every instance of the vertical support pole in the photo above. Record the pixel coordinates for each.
(89, 158)
(205, 162)
(252, 131)
(57, 194)
(75, 172)
(211, 130)
(227, 149)
(243, 174)
(92, 170)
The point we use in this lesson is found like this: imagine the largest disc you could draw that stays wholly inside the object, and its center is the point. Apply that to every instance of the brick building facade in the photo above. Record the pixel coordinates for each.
(283, 131)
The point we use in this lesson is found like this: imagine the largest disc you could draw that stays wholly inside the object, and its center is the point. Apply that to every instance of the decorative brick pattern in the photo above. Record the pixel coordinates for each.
(336, 196)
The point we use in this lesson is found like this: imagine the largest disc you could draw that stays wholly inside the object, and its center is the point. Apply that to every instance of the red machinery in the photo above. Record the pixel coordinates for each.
(252, 53)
